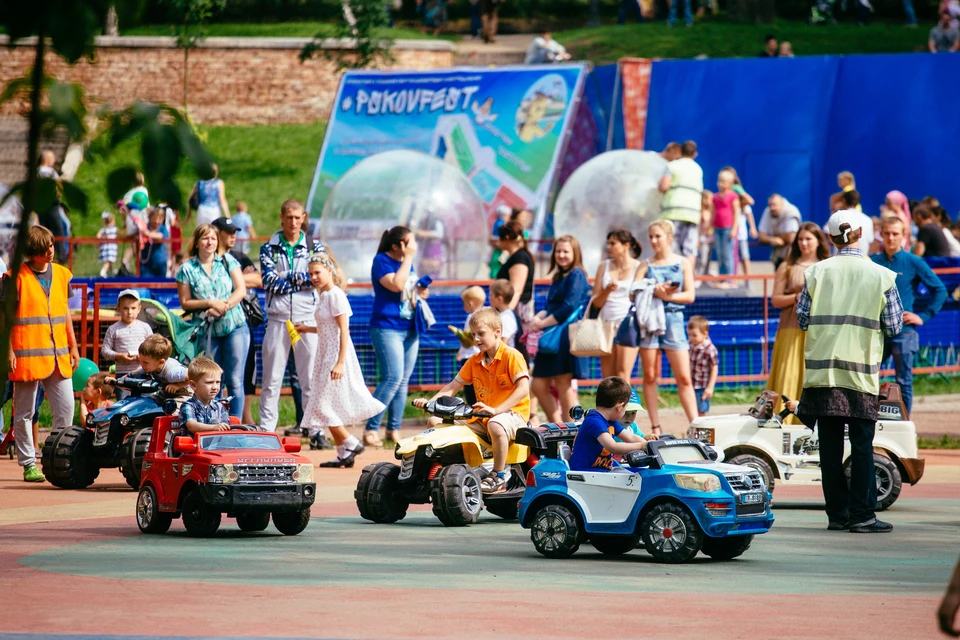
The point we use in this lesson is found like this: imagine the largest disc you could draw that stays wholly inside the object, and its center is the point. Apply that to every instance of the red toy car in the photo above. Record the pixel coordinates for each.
(245, 474)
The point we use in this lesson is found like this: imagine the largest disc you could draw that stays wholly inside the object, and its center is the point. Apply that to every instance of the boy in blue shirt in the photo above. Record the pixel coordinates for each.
(595, 446)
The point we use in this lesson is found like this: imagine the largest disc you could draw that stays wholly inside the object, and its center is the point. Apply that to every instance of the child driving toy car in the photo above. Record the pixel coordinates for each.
(203, 412)
(594, 445)
(156, 363)
(502, 383)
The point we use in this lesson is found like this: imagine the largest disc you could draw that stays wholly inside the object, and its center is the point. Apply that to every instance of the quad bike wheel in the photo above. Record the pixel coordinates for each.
(726, 548)
(256, 521)
(291, 523)
(555, 531)
(456, 495)
(671, 534)
(758, 463)
(199, 518)
(614, 545)
(889, 480)
(378, 494)
(67, 458)
(132, 451)
(149, 517)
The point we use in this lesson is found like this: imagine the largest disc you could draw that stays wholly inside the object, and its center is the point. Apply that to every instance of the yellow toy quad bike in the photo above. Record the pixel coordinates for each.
(443, 466)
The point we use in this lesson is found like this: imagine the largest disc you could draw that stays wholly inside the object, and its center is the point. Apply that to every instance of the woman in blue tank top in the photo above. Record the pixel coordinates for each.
(212, 198)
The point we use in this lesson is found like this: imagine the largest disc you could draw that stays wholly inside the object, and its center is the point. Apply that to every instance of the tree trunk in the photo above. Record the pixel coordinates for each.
(112, 25)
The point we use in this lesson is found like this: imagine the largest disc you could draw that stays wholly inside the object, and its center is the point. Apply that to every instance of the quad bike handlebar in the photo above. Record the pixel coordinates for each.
(138, 386)
(450, 409)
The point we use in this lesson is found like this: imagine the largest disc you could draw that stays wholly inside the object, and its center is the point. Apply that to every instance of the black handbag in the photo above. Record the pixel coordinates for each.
(194, 202)
(252, 309)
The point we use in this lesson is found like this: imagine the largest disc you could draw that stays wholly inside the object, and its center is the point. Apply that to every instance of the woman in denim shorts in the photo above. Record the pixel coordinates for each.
(674, 276)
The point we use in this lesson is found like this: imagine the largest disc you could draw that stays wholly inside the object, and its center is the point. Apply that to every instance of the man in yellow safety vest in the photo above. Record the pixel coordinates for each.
(43, 347)
(846, 306)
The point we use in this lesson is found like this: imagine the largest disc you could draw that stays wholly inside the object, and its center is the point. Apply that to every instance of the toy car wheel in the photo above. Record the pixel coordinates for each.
(257, 521)
(889, 480)
(456, 495)
(555, 531)
(671, 534)
(758, 463)
(198, 517)
(614, 545)
(67, 458)
(378, 493)
(293, 522)
(132, 451)
(506, 509)
(726, 548)
(149, 517)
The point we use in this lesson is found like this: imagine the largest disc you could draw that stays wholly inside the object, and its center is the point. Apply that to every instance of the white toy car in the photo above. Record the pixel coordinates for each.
(791, 453)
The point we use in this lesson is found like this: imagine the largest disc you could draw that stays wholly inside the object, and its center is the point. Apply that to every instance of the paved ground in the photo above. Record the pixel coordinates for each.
(73, 563)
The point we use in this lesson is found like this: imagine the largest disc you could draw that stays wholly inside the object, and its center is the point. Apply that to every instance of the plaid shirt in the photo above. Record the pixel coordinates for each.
(891, 318)
(194, 409)
(703, 357)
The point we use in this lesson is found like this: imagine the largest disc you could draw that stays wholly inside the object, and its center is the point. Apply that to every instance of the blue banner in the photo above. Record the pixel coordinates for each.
(503, 128)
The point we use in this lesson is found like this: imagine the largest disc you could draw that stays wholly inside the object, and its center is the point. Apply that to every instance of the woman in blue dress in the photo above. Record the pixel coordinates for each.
(568, 292)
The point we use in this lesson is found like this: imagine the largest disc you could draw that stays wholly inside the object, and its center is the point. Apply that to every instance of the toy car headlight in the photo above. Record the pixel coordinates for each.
(124, 419)
(703, 434)
(303, 474)
(222, 474)
(703, 482)
(90, 422)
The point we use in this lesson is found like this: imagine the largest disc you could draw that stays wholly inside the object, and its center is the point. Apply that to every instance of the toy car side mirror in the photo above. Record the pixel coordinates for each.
(292, 445)
(638, 459)
(184, 444)
(712, 453)
(577, 413)
(169, 406)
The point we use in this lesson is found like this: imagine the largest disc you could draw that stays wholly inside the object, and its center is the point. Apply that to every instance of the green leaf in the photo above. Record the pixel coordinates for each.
(47, 195)
(14, 88)
(119, 181)
(161, 153)
(75, 198)
(169, 193)
(67, 109)
(194, 150)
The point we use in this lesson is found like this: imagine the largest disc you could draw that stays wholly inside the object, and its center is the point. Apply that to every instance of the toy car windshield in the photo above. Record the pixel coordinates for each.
(682, 453)
(223, 442)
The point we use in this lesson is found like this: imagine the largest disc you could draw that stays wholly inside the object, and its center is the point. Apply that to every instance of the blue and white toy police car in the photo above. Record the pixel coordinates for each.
(674, 498)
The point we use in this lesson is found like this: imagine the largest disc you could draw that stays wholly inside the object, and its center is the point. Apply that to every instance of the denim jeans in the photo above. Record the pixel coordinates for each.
(396, 355)
(687, 12)
(856, 504)
(230, 352)
(903, 347)
(475, 23)
(724, 246)
(909, 13)
(627, 7)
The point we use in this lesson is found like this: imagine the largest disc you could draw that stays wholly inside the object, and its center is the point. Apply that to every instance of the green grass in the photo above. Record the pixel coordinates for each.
(261, 165)
(717, 39)
(943, 442)
(305, 29)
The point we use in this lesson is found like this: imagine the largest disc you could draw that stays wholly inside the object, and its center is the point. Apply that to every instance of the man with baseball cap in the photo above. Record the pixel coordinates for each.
(847, 305)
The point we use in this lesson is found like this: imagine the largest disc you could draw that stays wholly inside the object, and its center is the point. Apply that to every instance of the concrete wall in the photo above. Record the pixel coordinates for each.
(231, 80)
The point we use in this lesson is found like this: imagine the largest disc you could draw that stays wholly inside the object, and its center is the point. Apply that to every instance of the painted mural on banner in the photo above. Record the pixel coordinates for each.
(503, 128)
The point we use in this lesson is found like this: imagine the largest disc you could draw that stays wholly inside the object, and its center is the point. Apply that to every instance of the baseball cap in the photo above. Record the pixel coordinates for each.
(844, 216)
(633, 404)
(225, 224)
(133, 293)
(504, 210)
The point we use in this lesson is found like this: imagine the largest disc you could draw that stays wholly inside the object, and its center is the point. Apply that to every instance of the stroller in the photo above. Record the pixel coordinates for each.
(186, 336)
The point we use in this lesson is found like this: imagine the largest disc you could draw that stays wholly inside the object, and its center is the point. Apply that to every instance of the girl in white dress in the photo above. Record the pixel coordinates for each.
(340, 396)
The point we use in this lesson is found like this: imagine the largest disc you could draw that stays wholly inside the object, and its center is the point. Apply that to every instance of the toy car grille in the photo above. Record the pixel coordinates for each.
(264, 473)
(103, 432)
(406, 466)
(751, 509)
(741, 482)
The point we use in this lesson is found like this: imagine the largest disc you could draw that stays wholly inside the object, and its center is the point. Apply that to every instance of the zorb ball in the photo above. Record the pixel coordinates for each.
(430, 197)
(615, 190)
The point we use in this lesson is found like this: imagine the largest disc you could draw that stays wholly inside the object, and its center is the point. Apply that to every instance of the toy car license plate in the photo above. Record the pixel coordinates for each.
(752, 498)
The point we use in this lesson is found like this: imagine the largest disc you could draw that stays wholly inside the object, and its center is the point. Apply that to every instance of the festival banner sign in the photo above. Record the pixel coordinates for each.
(504, 128)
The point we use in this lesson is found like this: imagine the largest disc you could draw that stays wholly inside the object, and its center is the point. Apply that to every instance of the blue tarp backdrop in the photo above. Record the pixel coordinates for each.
(790, 125)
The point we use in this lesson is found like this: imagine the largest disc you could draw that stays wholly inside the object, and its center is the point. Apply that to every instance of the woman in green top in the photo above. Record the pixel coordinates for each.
(213, 284)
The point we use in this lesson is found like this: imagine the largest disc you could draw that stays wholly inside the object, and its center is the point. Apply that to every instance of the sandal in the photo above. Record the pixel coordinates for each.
(347, 461)
(372, 439)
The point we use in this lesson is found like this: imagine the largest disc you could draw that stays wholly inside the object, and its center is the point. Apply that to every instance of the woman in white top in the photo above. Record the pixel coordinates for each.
(611, 286)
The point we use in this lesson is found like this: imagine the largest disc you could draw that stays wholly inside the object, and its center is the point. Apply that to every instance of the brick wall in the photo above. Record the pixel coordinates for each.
(231, 81)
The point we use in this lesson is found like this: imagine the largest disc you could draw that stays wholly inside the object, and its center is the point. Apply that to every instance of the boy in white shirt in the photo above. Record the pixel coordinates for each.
(501, 292)
(124, 337)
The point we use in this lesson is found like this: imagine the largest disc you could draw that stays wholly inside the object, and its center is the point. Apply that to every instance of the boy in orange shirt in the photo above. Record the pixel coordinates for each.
(502, 383)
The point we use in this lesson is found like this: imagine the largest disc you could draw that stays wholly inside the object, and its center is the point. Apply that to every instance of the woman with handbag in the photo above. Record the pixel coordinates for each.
(611, 291)
(568, 293)
(393, 332)
(214, 284)
(672, 277)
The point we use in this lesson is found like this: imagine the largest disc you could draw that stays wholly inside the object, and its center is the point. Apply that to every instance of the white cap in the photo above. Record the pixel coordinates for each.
(133, 293)
(844, 216)
(504, 210)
